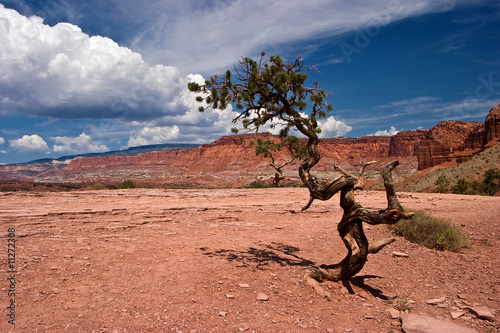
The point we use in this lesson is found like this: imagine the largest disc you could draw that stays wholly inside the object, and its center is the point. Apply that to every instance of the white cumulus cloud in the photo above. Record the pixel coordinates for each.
(80, 144)
(392, 131)
(153, 135)
(30, 144)
(333, 128)
(2, 141)
(60, 71)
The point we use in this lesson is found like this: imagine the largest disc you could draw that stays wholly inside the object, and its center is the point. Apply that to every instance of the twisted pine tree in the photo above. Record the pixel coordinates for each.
(272, 92)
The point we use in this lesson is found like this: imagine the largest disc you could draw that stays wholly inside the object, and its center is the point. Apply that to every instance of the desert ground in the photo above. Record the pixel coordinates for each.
(231, 260)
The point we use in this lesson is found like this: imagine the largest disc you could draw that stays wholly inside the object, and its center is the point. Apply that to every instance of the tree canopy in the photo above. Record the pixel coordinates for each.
(267, 92)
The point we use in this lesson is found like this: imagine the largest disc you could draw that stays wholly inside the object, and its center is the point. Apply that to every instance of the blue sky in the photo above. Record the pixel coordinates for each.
(99, 75)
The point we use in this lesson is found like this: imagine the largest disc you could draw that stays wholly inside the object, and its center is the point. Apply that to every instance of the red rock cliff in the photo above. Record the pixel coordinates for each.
(492, 127)
(457, 141)
(405, 143)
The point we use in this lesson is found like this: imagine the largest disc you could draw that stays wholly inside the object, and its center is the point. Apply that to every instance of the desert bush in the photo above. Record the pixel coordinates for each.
(431, 232)
(490, 184)
(442, 184)
(126, 184)
(400, 303)
(462, 187)
(96, 186)
(258, 184)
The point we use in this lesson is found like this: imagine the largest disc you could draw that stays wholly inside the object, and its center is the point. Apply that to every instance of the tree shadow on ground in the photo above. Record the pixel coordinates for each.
(286, 255)
(359, 281)
(282, 254)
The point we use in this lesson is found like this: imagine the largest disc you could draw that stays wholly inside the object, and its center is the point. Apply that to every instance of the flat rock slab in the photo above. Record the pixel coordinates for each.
(483, 312)
(413, 323)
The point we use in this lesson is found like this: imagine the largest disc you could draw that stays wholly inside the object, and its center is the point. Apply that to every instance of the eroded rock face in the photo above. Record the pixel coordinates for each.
(492, 127)
(405, 143)
(444, 142)
(457, 141)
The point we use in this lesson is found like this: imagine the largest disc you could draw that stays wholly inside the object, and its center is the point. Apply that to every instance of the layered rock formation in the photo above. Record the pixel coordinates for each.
(492, 127)
(405, 143)
(229, 161)
(457, 141)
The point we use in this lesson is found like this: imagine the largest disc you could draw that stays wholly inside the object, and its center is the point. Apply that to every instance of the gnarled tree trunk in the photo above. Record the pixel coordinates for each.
(351, 230)
(351, 226)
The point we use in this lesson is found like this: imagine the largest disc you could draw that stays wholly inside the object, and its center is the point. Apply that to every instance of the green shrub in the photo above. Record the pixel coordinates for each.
(490, 182)
(442, 184)
(96, 186)
(431, 232)
(258, 184)
(126, 184)
(462, 187)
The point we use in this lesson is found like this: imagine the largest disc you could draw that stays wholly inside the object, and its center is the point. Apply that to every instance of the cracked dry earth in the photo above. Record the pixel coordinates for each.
(232, 260)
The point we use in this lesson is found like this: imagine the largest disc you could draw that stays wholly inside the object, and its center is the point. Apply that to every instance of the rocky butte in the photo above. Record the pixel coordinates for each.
(457, 141)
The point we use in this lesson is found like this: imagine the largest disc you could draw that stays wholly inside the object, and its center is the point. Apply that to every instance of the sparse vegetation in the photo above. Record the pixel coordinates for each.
(486, 242)
(257, 184)
(489, 186)
(442, 184)
(431, 232)
(8, 188)
(96, 186)
(126, 184)
(491, 181)
(461, 187)
(400, 303)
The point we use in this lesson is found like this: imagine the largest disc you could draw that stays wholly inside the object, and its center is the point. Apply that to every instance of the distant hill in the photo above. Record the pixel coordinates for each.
(25, 171)
(132, 151)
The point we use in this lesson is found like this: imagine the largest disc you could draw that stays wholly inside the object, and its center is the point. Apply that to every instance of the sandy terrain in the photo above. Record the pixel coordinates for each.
(147, 260)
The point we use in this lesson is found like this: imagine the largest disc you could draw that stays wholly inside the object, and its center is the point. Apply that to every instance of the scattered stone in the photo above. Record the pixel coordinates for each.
(244, 285)
(229, 296)
(400, 254)
(456, 314)
(222, 313)
(262, 297)
(393, 313)
(482, 312)
(435, 301)
(330, 330)
(413, 323)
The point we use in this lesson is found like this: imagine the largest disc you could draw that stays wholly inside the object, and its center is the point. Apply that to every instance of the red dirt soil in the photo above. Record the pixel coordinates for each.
(151, 260)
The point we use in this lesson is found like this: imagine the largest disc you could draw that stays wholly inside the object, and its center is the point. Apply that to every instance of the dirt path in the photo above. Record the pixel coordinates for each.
(196, 261)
